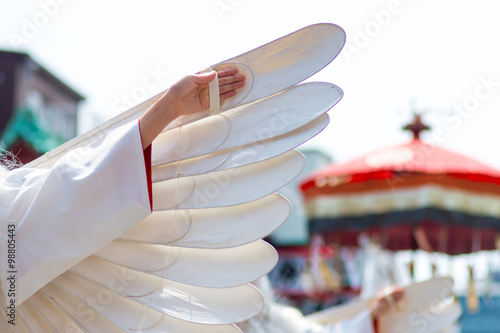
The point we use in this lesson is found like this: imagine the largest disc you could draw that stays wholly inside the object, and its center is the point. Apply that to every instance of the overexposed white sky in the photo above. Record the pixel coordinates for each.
(443, 57)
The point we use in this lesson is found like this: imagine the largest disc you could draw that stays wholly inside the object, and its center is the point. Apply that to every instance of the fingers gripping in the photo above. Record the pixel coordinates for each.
(213, 93)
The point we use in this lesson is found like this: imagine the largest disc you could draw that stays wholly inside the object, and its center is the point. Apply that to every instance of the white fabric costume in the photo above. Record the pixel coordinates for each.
(64, 214)
(279, 318)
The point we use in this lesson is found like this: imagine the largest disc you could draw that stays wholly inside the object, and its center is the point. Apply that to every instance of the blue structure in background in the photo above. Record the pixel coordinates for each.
(486, 320)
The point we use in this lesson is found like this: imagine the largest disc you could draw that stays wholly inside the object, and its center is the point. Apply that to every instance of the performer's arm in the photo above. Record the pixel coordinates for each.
(188, 96)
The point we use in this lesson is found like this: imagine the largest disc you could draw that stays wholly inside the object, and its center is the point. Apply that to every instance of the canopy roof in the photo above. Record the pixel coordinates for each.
(393, 192)
(413, 157)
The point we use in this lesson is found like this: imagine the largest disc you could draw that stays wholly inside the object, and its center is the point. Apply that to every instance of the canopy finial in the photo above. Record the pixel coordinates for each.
(416, 126)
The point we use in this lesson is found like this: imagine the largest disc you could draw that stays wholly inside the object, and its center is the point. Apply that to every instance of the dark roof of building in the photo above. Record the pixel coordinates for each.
(24, 57)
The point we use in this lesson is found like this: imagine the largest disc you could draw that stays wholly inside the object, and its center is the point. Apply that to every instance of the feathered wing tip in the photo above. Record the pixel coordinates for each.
(188, 267)
(273, 67)
(428, 306)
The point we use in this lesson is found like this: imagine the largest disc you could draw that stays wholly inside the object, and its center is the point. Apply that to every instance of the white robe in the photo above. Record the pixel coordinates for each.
(64, 214)
(279, 318)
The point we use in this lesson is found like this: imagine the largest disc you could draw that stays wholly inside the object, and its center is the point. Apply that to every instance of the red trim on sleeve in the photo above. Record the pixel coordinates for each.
(147, 164)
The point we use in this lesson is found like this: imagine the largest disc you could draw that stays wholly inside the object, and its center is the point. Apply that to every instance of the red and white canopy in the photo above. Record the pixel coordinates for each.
(407, 194)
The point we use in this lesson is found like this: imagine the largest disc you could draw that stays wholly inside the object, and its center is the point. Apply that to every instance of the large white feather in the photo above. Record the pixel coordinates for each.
(228, 187)
(258, 121)
(212, 227)
(186, 302)
(417, 296)
(212, 268)
(239, 156)
(124, 312)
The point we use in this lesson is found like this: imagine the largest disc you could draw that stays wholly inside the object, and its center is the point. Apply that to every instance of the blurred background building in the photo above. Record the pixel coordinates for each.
(38, 111)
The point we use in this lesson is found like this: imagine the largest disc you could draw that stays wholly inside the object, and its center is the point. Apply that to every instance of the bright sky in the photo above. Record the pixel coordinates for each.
(441, 56)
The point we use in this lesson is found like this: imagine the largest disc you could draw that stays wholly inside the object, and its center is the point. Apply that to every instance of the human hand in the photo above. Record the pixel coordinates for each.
(383, 304)
(190, 94)
(187, 96)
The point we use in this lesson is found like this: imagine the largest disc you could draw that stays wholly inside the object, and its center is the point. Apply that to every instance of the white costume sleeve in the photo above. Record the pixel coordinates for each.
(52, 219)
(279, 318)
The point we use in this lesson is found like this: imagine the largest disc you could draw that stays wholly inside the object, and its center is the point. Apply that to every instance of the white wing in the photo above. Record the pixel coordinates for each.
(188, 266)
